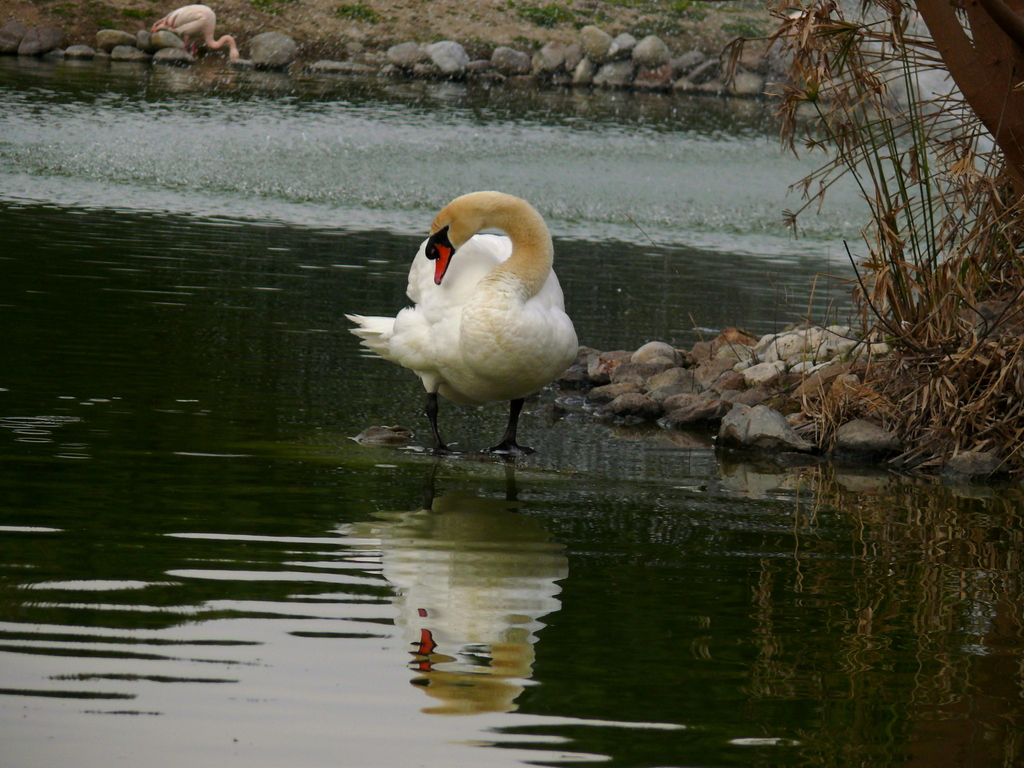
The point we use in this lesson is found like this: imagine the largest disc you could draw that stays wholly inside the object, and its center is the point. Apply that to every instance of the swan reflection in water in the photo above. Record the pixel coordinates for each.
(473, 577)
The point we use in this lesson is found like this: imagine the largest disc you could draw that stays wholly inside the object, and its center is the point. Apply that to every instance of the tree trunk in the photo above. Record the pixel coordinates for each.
(987, 65)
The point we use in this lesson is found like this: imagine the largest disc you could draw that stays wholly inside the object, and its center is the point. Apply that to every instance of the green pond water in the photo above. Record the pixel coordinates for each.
(199, 566)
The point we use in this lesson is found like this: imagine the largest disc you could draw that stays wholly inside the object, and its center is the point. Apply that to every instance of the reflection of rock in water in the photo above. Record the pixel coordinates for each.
(473, 578)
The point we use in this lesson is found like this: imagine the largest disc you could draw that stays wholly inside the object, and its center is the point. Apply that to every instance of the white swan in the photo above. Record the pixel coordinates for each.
(489, 321)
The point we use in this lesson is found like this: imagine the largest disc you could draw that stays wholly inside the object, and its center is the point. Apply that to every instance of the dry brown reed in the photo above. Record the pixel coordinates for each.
(943, 275)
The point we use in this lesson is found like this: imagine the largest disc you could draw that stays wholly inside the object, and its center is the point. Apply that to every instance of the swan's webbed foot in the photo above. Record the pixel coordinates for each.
(510, 448)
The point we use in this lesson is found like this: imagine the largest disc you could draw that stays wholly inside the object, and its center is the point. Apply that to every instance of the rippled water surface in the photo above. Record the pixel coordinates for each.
(199, 566)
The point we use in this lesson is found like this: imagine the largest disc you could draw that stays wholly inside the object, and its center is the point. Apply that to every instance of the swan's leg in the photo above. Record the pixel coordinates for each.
(440, 449)
(508, 442)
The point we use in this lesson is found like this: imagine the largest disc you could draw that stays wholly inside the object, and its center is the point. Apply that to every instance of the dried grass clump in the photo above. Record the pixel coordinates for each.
(943, 275)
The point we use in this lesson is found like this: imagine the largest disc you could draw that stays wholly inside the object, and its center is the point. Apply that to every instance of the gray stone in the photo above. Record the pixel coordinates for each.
(39, 40)
(608, 392)
(481, 67)
(128, 53)
(449, 57)
(11, 35)
(972, 464)
(573, 56)
(704, 72)
(762, 373)
(108, 39)
(340, 67)
(509, 61)
(651, 52)
(596, 43)
(584, 72)
(697, 413)
(600, 365)
(753, 396)
(689, 61)
(79, 52)
(144, 41)
(638, 372)
(860, 438)
(707, 373)
(653, 349)
(164, 38)
(760, 428)
(666, 391)
(407, 55)
(615, 74)
(175, 57)
(57, 54)
(658, 79)
(549, 59)
(272, 50)
(634, 404)
(675, 376)
(622, 47)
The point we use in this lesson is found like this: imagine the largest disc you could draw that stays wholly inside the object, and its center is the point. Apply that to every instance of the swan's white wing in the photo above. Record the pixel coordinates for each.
(470, 264)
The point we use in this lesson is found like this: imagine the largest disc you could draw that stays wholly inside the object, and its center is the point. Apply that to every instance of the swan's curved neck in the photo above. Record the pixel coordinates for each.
(532, 249)
(216, 44)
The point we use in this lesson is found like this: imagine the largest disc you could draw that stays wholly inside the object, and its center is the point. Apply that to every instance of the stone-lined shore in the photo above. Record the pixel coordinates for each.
(769, 396)
(596, 59)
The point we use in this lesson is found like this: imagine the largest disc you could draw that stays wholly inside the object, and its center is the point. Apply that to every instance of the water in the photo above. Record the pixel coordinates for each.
(199, 566)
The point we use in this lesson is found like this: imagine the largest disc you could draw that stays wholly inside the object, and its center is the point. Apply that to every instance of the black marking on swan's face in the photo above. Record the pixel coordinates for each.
(439, 249)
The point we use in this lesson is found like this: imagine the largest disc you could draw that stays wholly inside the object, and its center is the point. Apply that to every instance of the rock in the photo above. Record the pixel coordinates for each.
(574, 377)
(970, 464)
(340, 68)
(600, 366)
(79, 52)
(705, 72)
(595, 42)
(609, 392)
(584, 72)
(144, 41)
(622, 47)
(862, 439)
(128, 53)
(549, 59)
(746, 85)
(573, 56)
(40, 40)
(697, 413)
(663, 393)
(482, 67)
(735, 352)
(653, 349)
(245, 64)
(174, 57)
(11, 35)
(729, 380)
(634, 404)
(652, 53)
(108, 39)
(760, 428)
(384, 436)
(675, 376)
(164, 38)
(272, 50)
(707, 373)
(657, 79)
(509, 61)
(701, 351)
(689, 61)
(762, 373)
(407, 55)
(638, 372)
(753, 396)
(819, 381)
(615, 74)
(449, 57)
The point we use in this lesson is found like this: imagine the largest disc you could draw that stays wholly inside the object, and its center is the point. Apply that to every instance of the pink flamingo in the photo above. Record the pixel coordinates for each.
(196, 18)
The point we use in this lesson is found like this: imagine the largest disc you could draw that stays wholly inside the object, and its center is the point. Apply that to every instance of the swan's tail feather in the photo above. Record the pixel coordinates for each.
(375, 332)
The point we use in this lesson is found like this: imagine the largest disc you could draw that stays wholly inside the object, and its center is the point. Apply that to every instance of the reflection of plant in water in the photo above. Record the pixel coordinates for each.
(929, 647)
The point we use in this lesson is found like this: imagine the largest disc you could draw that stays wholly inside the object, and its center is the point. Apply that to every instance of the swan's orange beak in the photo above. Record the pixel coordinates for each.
(440, 249)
